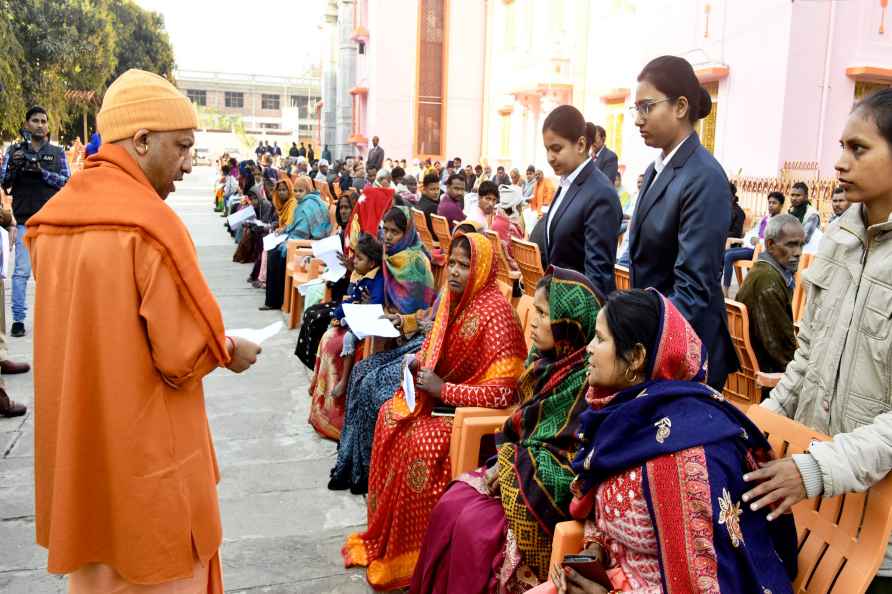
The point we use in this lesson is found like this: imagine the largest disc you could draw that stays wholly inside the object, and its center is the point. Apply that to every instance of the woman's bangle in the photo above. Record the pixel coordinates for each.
(231, 341)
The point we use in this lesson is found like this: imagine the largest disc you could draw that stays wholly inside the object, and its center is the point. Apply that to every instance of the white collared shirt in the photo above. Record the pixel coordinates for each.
(563, 188)
(660, 163)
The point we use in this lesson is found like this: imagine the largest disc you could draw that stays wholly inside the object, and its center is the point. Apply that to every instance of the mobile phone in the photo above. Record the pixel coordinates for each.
(589, 568)
(443, 411)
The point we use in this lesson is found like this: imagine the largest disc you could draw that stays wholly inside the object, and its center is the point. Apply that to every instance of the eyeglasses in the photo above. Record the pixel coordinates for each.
(644, 107)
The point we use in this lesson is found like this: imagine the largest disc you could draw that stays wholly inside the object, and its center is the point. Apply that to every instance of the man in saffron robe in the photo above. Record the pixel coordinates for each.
(125, 329)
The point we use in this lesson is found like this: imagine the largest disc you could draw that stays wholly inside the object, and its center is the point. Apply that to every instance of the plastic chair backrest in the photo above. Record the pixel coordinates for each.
(740, 387)
(441, 230)
(502, 270)
(843, 539)
(623, 278)
(799, 292)
(526, 254)
(423, 232)
(525, 314)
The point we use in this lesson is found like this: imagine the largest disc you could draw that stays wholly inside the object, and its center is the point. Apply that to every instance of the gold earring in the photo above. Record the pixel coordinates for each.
(633, 379)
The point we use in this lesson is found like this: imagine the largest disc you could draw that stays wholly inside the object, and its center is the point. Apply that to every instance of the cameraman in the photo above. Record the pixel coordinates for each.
(33, 171)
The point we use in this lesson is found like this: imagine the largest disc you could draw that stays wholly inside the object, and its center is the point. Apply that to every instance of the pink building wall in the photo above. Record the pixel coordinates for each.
(389, 71)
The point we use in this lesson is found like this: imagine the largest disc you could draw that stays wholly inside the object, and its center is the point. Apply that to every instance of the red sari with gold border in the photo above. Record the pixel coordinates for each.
(479, 364)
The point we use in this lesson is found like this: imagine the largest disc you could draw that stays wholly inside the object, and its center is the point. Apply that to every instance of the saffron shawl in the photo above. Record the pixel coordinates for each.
(692, 448)
(285, 209)
(538, 442)
(408, 280)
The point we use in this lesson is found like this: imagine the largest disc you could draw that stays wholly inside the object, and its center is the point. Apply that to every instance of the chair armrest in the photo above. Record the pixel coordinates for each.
(471, 432)
(768, 380)
(568, 540)
(467, 412)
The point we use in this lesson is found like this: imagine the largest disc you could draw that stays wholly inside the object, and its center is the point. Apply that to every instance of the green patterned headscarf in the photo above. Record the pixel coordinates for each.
(538, 442)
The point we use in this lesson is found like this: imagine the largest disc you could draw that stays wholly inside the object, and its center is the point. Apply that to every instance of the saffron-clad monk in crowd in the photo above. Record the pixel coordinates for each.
(125, 329)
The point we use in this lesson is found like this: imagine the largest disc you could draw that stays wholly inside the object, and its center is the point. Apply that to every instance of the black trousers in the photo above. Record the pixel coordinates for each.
(275, 279)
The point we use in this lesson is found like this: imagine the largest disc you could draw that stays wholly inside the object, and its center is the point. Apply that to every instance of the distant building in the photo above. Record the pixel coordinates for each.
(279, 109)
(408, 71)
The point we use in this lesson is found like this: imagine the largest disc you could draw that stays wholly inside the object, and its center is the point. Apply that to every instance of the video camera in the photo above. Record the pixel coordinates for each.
(22, 160)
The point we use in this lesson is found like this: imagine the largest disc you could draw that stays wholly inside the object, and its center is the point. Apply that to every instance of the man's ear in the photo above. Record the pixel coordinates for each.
(140, 141)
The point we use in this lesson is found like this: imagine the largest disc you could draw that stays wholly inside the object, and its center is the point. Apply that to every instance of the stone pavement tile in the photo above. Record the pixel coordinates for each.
(19, 553)
(24, 446)
(29, 582)
(290, 564)
(272, 477)
(15, 502)
(291, 513)
(17, 472)
(272, 449)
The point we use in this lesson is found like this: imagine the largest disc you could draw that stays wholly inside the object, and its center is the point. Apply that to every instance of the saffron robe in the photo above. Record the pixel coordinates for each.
(125, 329)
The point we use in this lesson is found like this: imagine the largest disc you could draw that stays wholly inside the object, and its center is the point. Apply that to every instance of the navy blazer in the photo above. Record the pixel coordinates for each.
(584, 229)
(608, 163)
(677, 242)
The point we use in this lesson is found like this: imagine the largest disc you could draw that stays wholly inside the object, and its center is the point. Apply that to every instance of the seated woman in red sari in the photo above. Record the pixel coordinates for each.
(660, 474)
(492, 530)
(472, 357)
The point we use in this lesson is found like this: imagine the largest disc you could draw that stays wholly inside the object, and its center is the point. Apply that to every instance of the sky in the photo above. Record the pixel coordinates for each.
(271, 37)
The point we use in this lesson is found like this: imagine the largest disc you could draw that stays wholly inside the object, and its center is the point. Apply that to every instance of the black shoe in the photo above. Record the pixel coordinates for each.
(9, 407)
(18, 329)
(338, 484)
(360, 488)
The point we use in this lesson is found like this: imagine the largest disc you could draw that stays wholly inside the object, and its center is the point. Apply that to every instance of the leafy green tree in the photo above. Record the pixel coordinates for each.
(68, 45)
(142, 41)
(12, 102)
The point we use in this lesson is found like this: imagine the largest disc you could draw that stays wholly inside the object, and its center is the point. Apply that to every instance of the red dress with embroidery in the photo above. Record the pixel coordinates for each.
(477, 348)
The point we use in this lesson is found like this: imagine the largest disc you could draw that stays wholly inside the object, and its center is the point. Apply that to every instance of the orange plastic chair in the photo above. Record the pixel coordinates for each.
(296, 251)
(504, 289)
(469, 426)
(741, 265)
(423, 232)
(799, 292)
(842, 540)
(741, 387)
(526, 254)
(441, 231)
(525, 314)
(623, 278)
(503, 271)
(314, 269)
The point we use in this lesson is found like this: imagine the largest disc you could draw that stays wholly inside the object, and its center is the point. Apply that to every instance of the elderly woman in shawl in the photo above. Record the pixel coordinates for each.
(472, 356)
(309, 220)
(660, 472)
(492, 530)
(409, 292)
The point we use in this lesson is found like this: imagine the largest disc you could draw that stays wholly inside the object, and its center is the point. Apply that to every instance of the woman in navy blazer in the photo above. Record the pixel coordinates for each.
(679, 227)
(581, 227)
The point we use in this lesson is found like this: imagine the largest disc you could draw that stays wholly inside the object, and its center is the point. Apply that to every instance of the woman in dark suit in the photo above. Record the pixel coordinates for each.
(678, 229)
(581, 227)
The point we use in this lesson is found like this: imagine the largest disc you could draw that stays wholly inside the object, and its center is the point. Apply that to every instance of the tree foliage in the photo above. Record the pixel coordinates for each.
(73, 45)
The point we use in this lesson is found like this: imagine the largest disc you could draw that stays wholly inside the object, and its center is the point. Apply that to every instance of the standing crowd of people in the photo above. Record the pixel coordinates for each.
(616, 416)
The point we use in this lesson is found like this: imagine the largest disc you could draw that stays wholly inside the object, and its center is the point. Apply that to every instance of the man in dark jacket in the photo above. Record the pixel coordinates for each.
(604, 158)
(767, 293)
(33, 171)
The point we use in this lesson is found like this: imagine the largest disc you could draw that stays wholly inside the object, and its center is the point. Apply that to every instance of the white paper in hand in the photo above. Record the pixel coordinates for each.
(366, 320)
(327, 250)
(256, 335)
(303, 288)
(272, 240)
(243, 214)
(409, 383)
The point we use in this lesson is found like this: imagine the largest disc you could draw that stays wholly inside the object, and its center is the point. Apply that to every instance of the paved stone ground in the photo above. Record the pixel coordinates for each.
(282, 528)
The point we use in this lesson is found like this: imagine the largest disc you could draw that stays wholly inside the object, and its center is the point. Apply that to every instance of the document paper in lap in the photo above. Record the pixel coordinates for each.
(327, 250)
(243, 214)
(365, 320)
(272, 240)
(409, 383)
